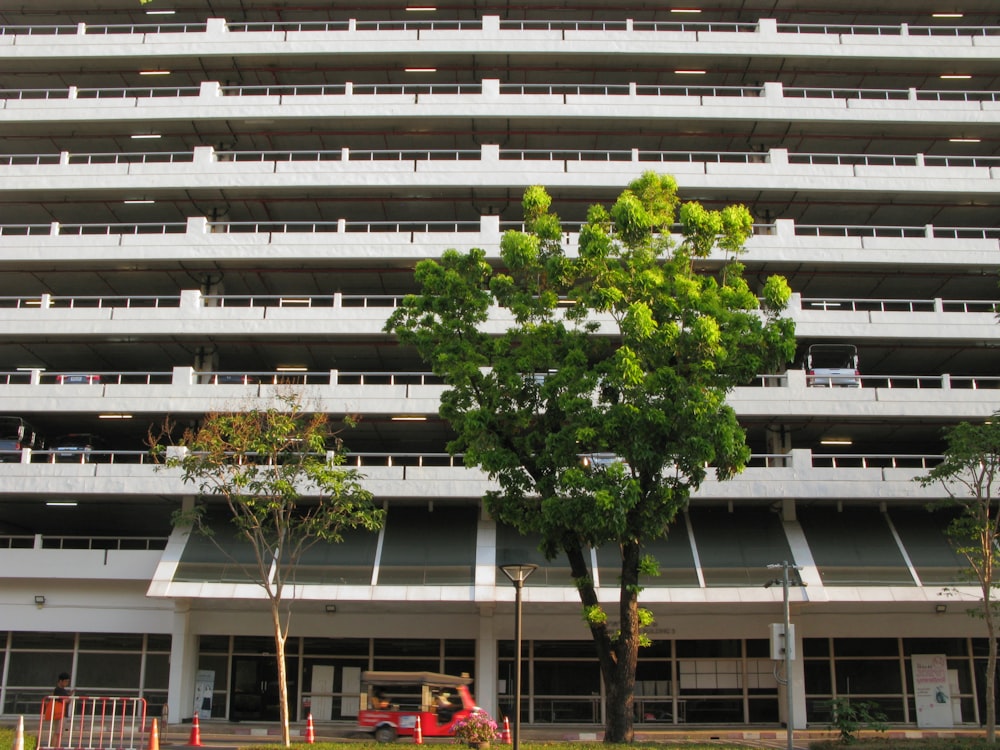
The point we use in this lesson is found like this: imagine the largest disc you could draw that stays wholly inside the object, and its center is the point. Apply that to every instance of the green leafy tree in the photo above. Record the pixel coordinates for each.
(592, 387)
(286, 490)
(969, 474)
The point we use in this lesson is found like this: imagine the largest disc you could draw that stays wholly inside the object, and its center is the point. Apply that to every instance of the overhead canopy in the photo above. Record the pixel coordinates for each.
(414, 678)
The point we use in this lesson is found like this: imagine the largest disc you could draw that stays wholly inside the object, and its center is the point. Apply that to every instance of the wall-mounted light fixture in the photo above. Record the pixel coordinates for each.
(39, 601)
(940, 608)
(331, 609)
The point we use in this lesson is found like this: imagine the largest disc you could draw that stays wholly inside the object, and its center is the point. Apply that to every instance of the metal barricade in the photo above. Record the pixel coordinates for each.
(92, 723)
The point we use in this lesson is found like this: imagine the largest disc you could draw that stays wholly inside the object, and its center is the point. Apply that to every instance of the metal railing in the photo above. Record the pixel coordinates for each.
(898, 305)
(92, 723)
(429, 227)
(874, 461)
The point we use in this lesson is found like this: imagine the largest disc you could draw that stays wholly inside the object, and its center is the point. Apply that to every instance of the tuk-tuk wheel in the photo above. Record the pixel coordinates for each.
(385, 733)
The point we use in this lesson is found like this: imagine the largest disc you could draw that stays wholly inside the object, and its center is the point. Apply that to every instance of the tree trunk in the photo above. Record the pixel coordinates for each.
(617, 658)
(279, 650)
(991, 670)
(621, 691)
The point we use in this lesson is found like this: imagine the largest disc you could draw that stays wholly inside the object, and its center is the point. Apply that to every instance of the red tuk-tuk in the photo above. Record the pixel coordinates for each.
(392, 702)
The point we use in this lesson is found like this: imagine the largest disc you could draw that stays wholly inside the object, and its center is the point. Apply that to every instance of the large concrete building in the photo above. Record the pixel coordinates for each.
(201, 199)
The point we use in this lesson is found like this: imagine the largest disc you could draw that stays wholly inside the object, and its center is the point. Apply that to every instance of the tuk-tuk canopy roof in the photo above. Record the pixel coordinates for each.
(414, 678)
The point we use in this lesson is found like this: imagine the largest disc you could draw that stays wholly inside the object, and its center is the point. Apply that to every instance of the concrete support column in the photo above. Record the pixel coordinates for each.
(183, 664)
(486, 662)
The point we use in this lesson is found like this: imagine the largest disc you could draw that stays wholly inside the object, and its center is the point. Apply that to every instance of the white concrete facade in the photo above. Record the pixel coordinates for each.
(181, 240)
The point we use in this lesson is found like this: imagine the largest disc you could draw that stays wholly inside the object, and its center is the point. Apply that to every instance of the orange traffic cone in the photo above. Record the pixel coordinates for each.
(505, 734)
(418, 733)
(154, 736)
(195, 740)
(19, 735)
(310, 730)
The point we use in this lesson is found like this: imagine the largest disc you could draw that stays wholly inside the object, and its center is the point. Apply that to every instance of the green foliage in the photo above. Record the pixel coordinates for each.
(279, 472)
(969, 474)
(8, 735)
(600, 402)
(850, 716)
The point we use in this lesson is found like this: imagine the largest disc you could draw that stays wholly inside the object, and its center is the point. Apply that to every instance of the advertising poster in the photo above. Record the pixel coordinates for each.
(932, 690)
(204, 685)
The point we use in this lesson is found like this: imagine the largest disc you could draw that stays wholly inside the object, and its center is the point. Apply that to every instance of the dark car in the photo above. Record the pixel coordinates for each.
(77, 447)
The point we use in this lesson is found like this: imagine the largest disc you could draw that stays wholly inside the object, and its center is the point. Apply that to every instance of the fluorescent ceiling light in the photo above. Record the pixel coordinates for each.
(947, 15)
(160, 12)
(955, 76)
(141, 136)
(292, 368)
(409, 418)
(836, 441)
(964, 140)
(61, 503)
(31, 369)
(685, 10)
(420, 8)
(154, 72)
(420, 70)
(114, 416)
(138, 201)
(690, 72)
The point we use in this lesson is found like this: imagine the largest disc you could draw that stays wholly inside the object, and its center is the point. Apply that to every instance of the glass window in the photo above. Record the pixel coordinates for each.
(157, 672)
(736, 547)
(566, 678)
(729, 648)
(110, 642)
(103, 672)
(421, 547)
(855, 548)
(158, 642)
(868, 677)
(816, 646)
(924, 538)
(673, 554)
(865, 647)
(564, 650)
(946, 646)
(408, 647)
(37, 668)
(43, 640)
(336, 646)
(214, 643)
(514, 547)
(818, 680)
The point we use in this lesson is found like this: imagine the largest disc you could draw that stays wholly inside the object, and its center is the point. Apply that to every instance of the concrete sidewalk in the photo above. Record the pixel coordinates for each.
(220, 734)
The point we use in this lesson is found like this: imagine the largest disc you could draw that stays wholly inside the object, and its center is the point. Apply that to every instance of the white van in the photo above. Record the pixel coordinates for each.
(832, 366)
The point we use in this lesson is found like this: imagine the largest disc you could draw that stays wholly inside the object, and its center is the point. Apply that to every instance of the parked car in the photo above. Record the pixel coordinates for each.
(832, 366)
(393, 701)
(15, 435)
(73, 378)
(76, 447)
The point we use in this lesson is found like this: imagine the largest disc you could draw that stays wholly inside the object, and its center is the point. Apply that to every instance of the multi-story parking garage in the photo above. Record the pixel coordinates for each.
(201, 200)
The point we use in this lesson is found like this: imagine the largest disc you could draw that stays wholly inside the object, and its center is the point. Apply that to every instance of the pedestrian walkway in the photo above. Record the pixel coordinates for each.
(219, 734)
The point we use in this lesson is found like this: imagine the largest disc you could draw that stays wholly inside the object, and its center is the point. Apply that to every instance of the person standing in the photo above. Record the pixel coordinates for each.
(62, 685)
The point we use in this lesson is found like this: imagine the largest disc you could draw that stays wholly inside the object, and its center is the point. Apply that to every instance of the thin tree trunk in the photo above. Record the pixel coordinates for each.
(991, 670)
(279, 648)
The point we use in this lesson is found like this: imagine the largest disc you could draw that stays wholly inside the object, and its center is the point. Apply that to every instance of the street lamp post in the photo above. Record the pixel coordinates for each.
(517, 573)
(785, 583)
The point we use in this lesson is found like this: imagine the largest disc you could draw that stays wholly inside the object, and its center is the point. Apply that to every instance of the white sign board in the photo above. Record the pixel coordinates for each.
(204, 686)
(932, 690)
